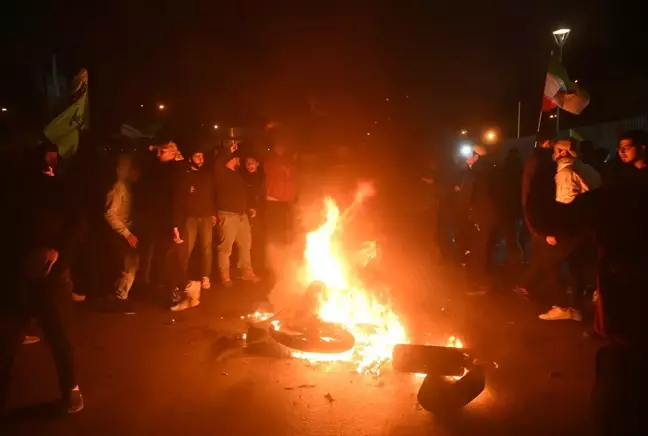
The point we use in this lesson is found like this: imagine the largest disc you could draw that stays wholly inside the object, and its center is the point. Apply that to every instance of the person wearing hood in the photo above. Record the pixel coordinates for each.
(194, 216)
(573, 178)
(48, 231)
(119, 216)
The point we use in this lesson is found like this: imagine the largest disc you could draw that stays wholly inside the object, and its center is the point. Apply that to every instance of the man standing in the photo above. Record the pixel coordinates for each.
(119, 215)
(281, 194)
(573, 178)
(233, 221)
(157, 219)
(193, 218)
(48, 238)
(256, 189)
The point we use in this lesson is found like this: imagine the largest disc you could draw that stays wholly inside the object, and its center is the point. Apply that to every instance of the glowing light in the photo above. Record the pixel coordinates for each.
(215, 126)
(466, 150)
(464, 132)
(368, 134)
(490, 135)
(562, 31)
(141, 105)
(161, 107)
(4, 109)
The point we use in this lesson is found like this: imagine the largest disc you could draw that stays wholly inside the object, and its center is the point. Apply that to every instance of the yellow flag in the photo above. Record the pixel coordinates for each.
(64, 129)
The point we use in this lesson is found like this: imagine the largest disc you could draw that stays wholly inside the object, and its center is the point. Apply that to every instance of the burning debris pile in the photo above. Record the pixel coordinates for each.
(340, 319)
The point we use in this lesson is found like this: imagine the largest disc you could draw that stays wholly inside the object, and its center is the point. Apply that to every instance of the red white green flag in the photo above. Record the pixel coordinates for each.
(560, 91)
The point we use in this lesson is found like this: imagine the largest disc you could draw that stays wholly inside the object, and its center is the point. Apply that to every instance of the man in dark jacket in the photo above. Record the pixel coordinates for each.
(155, 190)
(255, 184)
(233, 216)
(194, 216)
(615, 215)
(476, 195)
(49, 235)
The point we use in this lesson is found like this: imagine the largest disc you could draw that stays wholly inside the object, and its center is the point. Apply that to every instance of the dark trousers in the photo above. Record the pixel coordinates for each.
(510, 231)
(618, 403)
(160, 264)
(279, 222)
(257, 227)
(481, 253)
(49, 302)
(197, 230)
(545, 263)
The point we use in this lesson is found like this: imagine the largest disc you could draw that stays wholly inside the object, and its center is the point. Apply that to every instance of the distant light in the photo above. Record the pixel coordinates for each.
(552, 116)
(490, 135)
(464, 132)
(466, 150)
(215, 126)
(141, 105)
(368, 134)
(375, 122)
(561, 31)
(576, 81)
(4, 109)
(386, 99)
(407, 96)
(161, 107)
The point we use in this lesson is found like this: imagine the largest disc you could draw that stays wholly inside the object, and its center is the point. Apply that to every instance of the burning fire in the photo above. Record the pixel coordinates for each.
(345, 300)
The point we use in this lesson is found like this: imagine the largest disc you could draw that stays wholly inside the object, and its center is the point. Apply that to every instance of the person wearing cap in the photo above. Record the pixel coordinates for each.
(194, 215)
(234, 212)
(155, 192)
(573, 178)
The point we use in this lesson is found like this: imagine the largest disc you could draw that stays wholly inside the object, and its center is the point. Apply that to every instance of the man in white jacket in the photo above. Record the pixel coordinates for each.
(573, 178)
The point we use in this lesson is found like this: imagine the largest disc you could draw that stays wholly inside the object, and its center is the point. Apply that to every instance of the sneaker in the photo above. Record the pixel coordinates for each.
(28, 340)
(225, 278)
(185, 304)
(176, 295)
(249, 276)
(78, 297)
(74, 401)
(206, 284)
(556, 313)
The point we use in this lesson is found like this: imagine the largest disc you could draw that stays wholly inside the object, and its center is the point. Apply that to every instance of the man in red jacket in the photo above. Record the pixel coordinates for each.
(281, 194)
(615, 215)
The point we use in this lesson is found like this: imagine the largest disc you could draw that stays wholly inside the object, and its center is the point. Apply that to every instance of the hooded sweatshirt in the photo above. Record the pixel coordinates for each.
(574, 177)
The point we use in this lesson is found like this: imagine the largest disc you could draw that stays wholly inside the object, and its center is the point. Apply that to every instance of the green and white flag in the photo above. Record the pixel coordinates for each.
(64, 129)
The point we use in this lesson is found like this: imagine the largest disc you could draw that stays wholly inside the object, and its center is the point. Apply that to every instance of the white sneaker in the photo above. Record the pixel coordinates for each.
(185, 304)
(556, 313)
(206, 283)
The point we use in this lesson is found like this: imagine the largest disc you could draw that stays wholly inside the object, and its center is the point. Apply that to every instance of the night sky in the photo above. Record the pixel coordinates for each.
(441, 67)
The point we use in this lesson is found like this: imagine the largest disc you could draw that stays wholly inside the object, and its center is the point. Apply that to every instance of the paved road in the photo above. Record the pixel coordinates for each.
(144, 374)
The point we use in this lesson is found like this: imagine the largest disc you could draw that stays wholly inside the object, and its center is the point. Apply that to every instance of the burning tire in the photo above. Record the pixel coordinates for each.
(441, 396)
(319, 337)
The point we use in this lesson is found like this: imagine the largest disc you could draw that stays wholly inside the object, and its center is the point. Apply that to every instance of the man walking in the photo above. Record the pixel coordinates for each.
(119, 215)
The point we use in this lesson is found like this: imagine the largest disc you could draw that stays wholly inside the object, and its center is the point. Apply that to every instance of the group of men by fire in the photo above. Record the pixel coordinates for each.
(159, 206)
(580, 208)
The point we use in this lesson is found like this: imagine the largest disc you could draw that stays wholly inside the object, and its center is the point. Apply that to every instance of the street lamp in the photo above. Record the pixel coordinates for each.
(560, 37)
(216, 126)
(4, 109)
(161, 107)
(464, 132)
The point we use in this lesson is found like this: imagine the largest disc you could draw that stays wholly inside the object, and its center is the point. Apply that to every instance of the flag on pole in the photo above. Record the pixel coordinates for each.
(64, 129)
(560, 91)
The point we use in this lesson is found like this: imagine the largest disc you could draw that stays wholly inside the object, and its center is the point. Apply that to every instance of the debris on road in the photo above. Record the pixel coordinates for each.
(306, 386)
(224, 373)
(329, 397)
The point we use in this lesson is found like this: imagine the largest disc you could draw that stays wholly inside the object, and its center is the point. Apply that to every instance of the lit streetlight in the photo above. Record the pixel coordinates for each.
(161, 107)
(4, 109)
(215, 126)
(368, 134)
(560, 37)
(464, 132)
(141, 105)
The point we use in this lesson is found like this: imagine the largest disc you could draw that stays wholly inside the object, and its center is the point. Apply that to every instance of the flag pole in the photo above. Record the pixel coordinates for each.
(540, 114)
(518, 120)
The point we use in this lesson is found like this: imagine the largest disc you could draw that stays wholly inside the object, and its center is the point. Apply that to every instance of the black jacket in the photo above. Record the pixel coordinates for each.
(256, 192)
(193, 195)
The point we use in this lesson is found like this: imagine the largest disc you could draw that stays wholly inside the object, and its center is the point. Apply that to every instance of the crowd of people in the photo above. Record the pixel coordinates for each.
(563, 205)
(583, 210)
(160, 205)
